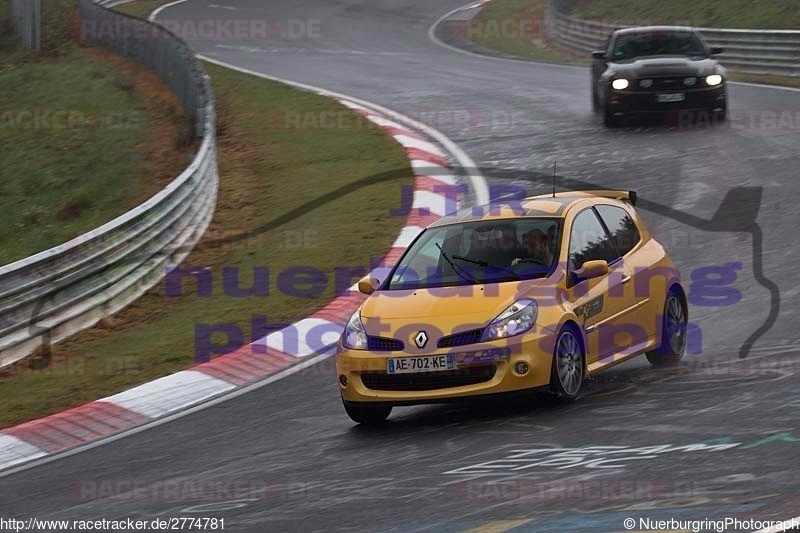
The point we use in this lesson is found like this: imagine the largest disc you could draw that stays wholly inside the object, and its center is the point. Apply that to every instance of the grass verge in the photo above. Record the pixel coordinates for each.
(278, 149)
(508, 25)
(84, 136)
(487, 29)
(776, 15)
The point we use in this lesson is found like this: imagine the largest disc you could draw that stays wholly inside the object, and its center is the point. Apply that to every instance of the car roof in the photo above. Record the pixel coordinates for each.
(653, 29)
(545, 205)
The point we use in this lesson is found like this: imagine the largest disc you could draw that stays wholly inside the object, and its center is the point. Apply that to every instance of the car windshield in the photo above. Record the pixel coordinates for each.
(659, 43)
(479, 252)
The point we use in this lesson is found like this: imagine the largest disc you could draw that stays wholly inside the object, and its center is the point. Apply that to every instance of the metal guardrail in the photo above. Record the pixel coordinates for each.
(26, 17)
(55, 293)
(753, 51)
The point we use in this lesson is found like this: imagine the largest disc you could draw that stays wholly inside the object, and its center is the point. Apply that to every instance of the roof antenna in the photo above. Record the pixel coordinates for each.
(554, 178)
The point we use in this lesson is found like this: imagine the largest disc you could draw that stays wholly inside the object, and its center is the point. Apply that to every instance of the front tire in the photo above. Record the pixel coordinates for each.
(567, 369)
(609, 120)
(368, 414)
(673, 332)
(721, 115)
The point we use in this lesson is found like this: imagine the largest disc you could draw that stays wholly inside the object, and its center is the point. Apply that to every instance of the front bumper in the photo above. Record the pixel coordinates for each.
(646, 102)
(367, 378)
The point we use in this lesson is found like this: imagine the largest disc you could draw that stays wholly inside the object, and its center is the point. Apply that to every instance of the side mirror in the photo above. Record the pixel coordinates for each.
(368, 285)
(716, 50)
(592, 269)
(598, 54)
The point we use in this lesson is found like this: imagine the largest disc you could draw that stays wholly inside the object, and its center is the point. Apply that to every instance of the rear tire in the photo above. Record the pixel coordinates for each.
(673, 332)
(567, 369)
(368, 414)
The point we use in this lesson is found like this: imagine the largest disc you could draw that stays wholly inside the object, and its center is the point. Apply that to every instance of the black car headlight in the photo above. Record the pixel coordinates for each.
(620, 84)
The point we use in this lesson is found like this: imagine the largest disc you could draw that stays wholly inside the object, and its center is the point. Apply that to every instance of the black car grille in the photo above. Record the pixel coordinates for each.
(429, 380)
(383, 344)
(674, 83)
(460, 339)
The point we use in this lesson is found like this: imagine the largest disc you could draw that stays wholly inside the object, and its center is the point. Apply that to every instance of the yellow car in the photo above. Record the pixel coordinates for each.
(539, 294)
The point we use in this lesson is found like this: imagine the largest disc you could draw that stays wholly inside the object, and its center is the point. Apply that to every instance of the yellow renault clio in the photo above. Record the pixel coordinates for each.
(538, 294)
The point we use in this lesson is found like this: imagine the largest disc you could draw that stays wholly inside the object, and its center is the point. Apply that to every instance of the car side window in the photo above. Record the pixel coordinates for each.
(624, 233)
(588, 240)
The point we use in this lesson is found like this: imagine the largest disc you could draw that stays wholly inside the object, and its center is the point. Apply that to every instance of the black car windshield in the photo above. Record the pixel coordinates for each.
(658, 43)
(477, 252)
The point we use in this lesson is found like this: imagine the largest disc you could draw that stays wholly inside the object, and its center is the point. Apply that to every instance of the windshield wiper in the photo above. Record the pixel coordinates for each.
(485, 264)
(469, 277)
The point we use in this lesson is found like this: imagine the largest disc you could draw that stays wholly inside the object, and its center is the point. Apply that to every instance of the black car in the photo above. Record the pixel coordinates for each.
(657, 70)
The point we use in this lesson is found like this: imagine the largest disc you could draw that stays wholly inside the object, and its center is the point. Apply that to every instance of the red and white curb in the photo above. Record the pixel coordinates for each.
(316, 334)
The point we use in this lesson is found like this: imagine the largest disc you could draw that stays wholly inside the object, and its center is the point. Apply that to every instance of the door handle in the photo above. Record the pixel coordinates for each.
(626, 279)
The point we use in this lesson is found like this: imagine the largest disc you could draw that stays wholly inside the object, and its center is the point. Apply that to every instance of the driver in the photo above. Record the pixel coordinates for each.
(537, 248)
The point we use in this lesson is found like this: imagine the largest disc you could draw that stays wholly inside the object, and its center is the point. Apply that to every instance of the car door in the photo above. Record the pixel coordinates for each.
(600, 304)
(630, 263)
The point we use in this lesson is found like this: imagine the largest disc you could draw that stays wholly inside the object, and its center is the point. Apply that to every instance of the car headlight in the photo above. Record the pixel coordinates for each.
(355, 336)
(517, 318)
(620, 84)
(713, 79)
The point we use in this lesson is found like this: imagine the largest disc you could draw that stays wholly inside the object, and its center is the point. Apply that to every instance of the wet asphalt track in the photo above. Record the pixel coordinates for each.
(419, 472)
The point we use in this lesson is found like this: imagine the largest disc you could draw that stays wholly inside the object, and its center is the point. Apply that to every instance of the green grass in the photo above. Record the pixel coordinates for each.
(719, 13)
(490, 29)
(140, 9)
(72, 168)
(775, 14)
(266, 171)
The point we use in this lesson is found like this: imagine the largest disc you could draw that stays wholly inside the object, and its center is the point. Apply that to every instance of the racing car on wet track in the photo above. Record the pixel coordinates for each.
(657, 70)
(541, 294)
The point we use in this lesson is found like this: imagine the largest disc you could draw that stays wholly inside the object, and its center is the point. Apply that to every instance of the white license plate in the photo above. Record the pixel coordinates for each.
(427, 363)
(670, 97)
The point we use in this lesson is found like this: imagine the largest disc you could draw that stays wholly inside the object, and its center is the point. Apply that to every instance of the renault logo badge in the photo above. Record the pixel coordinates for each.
(421, 339)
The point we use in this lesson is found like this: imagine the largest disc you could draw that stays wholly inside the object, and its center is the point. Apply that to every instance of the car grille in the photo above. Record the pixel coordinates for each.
(460, 339)
(429, 380)
(666, 84)
(383, 344)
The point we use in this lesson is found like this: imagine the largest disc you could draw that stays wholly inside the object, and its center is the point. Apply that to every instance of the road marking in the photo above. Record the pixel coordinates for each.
(14, 450)
(170, 393)
(156, 11)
